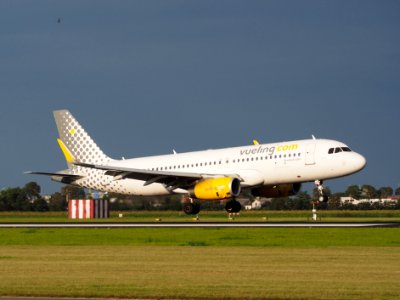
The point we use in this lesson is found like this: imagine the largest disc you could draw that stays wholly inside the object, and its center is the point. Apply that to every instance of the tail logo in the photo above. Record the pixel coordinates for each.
(68, 156)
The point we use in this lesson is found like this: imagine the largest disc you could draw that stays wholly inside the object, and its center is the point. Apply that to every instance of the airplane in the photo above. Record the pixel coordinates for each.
(263, 170)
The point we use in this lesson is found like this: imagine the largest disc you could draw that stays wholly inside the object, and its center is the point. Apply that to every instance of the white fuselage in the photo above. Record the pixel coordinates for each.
(255, 165)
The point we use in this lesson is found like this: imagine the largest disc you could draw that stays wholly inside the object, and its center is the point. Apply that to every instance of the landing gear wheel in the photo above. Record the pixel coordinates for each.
(324, 198)
(196, 208)
(321, 191)
(191, 208)
(233, 206)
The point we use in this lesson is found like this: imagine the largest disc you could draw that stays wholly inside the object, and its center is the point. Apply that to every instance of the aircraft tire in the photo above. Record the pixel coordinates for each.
(196, 208)
(237, 207)
(233, 206)
(191, 208)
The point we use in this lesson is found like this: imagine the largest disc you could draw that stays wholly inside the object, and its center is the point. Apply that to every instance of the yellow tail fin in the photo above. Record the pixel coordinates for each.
(68, 156)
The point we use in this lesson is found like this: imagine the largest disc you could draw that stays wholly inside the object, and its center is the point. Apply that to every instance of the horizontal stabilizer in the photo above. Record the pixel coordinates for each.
(60, 177)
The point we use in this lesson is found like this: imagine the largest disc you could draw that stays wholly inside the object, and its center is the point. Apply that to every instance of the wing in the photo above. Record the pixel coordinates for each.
(171, 179)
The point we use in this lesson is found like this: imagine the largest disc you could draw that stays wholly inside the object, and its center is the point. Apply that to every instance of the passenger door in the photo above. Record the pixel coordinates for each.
(310, 154)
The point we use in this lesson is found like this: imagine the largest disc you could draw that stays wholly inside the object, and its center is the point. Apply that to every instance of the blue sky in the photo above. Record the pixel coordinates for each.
(146, 77)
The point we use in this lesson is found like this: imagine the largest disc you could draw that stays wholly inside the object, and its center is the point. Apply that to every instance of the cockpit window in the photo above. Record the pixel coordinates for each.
(338, 149)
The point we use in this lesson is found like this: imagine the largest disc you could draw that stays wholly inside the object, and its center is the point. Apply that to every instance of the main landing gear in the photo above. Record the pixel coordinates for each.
(190, 207)
(321, 191)
(233, 206)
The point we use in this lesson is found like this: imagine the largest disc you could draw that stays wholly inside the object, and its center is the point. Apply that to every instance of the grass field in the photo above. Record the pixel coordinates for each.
(240, 263)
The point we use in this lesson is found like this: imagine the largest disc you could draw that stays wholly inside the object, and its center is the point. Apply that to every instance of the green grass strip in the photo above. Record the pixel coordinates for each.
(251, 237)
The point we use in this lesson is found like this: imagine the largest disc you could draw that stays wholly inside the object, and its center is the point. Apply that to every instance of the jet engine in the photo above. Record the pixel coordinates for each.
(276, 191)
(216, 188)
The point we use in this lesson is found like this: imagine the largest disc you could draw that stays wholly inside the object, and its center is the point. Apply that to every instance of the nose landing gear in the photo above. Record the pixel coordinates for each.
(323, 197)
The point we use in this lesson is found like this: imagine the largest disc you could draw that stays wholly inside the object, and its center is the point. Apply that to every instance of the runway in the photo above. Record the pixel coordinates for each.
(198, 225)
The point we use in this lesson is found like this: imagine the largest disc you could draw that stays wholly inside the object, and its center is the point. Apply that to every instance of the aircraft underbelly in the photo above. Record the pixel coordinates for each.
(137, 187)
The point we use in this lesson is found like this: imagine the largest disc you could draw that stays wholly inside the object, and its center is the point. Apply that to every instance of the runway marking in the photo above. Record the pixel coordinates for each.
(196, 225)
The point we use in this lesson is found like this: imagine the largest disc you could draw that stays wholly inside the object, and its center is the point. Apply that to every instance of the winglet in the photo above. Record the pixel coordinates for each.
(68, 156)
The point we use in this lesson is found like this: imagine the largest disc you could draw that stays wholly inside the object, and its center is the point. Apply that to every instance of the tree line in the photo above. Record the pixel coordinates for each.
(29, 198)
(304, 201)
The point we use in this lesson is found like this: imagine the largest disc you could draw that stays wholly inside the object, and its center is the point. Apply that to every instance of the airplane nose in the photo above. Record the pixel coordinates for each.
(359, 162)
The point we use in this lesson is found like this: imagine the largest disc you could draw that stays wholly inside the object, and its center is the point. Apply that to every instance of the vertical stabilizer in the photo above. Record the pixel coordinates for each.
(74, 142)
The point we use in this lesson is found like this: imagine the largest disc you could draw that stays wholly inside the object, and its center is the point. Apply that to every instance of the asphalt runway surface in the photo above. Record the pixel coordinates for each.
(198, 225)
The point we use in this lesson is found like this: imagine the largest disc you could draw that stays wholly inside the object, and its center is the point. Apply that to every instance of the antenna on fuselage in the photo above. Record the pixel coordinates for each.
(255, 142)
(313, 137)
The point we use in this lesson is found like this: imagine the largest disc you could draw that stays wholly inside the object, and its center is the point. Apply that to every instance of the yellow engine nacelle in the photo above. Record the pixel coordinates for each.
(276, 191)
(216, 188)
